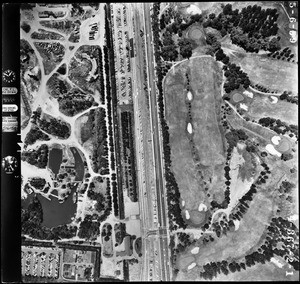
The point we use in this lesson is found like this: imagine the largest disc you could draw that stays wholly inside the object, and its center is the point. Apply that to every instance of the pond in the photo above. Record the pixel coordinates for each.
(55, 213)
(55, 159)
(79, 165)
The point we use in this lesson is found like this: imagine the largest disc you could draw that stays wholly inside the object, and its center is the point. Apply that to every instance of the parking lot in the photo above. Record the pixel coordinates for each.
(39, 262)
(122, 48)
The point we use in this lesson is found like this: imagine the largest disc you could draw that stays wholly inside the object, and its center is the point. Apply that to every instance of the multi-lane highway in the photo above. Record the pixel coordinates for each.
(160, 188)
(152, 197)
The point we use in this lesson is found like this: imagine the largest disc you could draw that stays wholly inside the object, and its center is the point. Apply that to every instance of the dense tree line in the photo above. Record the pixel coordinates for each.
(129, 154)
(278, 126)
(173, 194)
(100, 148)
(101, 77)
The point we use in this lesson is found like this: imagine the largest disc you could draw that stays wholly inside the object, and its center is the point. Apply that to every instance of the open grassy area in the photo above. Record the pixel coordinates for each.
(235, 244)
(274, 74)
(195, 157)
(261, 106)
(261, 272)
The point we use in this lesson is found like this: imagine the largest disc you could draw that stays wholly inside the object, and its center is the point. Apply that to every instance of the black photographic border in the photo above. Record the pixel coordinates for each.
(11, 183)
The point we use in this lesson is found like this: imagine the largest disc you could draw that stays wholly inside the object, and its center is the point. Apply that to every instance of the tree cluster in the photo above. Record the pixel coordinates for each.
(38, 157)
(234, 75)
(278, 126)
(38, 183)
(287, 96)
(35, 134)
(186, 47)
(74, 102)
(284, 54)
(252, 28)
(99, 134)
(55, 127)
(89, 229)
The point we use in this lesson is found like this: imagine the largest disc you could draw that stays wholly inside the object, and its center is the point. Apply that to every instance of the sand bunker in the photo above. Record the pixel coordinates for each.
(193, 9)
(189, 128)
(187, 214)
(243, 106)
(275, 140)
(202, 207)
(270, 148)
(274, 99)
(248, 94)
(191, 265)
(195, 250)
(189, 96)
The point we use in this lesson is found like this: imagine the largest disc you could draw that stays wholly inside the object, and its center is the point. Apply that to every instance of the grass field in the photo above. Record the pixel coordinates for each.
(204, 77)
(274, 74)
(235, 244)
(252, 129)
(261, 106)
(261, 272)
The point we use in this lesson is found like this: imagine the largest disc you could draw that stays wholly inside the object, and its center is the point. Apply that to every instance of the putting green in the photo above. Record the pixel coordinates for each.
(195, 33)
(283, 146)
(237, 97)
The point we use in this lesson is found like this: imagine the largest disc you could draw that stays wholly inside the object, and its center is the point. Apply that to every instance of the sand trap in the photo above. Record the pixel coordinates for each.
(275, 140)
(274, 99)
(189, 128)
(248, 94)
(243, 106)
(191, 266)
(189, 96)
(193, 10)
(276, 262)
(195, 250)
(182, 203)
(187, 214)
(294, 217)
(236, 224)
(202, 207)
(237, 97)
(270, 148)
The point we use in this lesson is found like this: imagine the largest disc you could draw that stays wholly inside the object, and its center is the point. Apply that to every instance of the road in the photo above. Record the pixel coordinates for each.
(160, 189)
(155, 260)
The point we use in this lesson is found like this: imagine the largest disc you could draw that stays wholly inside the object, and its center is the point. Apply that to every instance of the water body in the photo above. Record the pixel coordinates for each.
(79, 165)
(55, 213)
(55, 159)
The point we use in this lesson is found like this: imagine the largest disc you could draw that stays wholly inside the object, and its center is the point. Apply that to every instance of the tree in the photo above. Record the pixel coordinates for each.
(186, 47)
(274, 44)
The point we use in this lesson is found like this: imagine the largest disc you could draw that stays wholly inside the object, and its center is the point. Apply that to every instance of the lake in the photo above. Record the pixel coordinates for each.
(55, 213)
(55, 159)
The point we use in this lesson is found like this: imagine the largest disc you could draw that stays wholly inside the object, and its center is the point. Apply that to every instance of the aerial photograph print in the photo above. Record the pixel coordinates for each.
(159, 141)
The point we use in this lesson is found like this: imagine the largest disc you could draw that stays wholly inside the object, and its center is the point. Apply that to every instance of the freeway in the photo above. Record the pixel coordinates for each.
(161, 202)
(155, 261)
